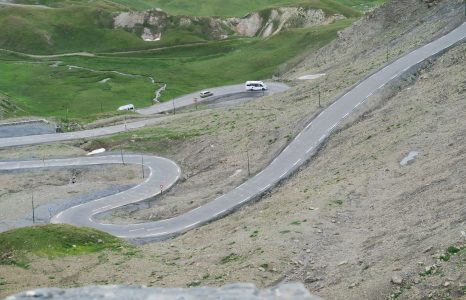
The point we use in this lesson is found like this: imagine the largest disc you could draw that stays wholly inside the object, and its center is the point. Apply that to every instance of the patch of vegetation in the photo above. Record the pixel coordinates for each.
(148, 139)
(70, 93)
(254, 234)
(298, 222)
(17, 245)
(452, 250)
(71, 29)
(194, 283)
(230, 258)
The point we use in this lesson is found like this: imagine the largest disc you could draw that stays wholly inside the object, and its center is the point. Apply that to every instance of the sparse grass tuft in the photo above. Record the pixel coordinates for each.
(230, 258)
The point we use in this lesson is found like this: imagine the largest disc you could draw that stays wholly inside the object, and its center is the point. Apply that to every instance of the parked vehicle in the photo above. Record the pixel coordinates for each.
(255, 86)
(129, 107)
(204, 94)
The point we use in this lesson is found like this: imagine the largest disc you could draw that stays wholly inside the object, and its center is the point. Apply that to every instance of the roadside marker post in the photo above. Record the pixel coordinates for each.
(195, 102)
(318, 91)
(161, 189)
(142, 166)
(247, 156)
(33, 212)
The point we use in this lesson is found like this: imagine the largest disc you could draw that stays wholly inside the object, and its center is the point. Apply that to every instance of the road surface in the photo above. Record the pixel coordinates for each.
(292, 157)
(186, 100)
(159, 108)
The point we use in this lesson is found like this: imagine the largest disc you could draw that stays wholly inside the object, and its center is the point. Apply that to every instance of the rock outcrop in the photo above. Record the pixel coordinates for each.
(151, 24)
(148, 24)
(270, 22)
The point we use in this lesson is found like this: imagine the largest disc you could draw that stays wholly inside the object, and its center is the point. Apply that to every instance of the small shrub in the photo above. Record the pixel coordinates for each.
(230, 257)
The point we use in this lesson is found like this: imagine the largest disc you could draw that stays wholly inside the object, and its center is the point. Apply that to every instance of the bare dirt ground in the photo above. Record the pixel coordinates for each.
(348, 223)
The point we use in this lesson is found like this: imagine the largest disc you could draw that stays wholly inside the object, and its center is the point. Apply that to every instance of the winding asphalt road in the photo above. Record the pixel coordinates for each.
(219, 92)
(292, 157)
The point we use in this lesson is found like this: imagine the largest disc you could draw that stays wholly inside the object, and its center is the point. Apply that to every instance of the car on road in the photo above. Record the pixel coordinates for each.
(129, 107)
(255, 86)
(204, 94)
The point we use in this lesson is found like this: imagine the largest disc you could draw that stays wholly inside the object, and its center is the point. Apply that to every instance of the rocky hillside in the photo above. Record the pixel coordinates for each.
(151, 24)
(272, 21)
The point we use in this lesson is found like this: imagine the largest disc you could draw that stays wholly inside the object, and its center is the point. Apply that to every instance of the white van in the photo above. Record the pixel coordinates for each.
(255, 86)
(129, 107)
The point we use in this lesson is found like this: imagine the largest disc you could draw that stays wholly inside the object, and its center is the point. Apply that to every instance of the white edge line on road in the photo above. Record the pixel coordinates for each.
(156, 234)
(331, 128)
(191, 225)
(347, 114)
(265, 187)
(100, 208)
(220, 212)
(139, 229)
(322, 138)
(154, 228)
(283, 174)
(296, 162)
(309, 150)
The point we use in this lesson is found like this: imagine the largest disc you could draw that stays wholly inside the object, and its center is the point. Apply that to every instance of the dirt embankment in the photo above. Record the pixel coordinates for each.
(350, 222)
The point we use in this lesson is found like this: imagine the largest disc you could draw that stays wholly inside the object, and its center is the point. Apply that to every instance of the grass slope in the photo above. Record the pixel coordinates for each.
(53, 241)
(240, 8)
(236, 8)
(40, 89)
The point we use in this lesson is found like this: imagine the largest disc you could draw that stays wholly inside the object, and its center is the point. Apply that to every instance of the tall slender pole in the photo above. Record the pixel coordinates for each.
(318, 91)
(122, 159)
(173, 102)
(32, 204)
(247, 155)
(142, 165)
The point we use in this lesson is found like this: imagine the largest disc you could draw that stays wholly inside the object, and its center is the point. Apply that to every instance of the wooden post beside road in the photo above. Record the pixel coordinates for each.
(32, 204)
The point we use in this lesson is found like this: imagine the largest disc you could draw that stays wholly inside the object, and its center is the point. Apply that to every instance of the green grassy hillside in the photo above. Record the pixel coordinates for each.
(61, 30)
(40, 88)
(85, 27)
(52, 241)
(186, 59)
(236, 8)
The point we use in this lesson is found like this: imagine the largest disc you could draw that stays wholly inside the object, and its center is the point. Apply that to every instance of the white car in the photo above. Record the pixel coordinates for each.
(204, 94)
(129, 107)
